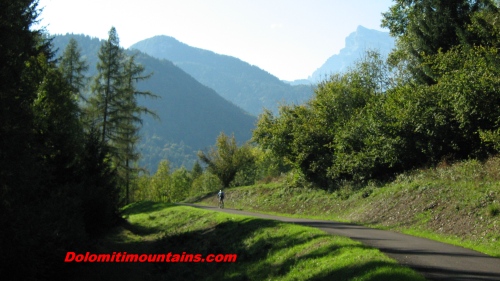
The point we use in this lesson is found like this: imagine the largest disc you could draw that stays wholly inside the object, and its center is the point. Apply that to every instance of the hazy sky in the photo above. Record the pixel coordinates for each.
(287, 38)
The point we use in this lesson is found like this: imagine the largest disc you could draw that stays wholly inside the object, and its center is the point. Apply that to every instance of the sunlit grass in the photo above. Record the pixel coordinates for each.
(457, 204)
(267, 250)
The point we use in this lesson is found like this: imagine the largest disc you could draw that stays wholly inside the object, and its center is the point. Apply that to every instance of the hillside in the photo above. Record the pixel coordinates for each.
(356, 44)
(457, 204)
(245, 85)
(191, 114)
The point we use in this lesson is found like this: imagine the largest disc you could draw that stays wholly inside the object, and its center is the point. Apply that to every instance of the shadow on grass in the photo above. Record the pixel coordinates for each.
(201, 197)
(373, 271)
(256, 242)
(144, 207)
(139, 229)
(232, 237)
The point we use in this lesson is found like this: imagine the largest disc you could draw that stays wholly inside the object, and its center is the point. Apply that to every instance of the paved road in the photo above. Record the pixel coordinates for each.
(435, 260)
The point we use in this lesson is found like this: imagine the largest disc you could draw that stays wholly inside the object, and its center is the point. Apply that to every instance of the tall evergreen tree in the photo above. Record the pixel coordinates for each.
(42, 165)
(20, 44)
(73, 68)
(114, 108)
(130, 121)
(39, 150)
(107, 87)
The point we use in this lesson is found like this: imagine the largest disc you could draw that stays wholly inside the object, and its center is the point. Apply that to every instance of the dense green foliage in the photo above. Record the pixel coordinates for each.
(244, 165)
(433, 102)
(57, 187)
(226, 159)
(331, 126)
(173, 186)
(428, 27)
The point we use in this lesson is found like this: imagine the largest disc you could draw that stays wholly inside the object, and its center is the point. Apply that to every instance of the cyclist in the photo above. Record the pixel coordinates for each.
(221, 198)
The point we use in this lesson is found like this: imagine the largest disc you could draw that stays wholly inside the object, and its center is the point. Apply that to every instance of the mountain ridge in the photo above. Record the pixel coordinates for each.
(192, 115)
(245, 85)
(356, 44)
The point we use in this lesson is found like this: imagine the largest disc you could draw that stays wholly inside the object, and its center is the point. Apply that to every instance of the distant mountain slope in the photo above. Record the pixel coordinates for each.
(356, 44)
(192, 115)
(247, 86)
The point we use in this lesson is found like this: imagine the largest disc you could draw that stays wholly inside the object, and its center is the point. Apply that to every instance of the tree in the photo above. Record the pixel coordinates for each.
(426, 27)
(226, 159)
(58, 130)
(468, 85)
(308, 136)
(73, 68)
(106, 102)
(197, 170)
(206, 182)
(42, 154)
(180, 184)
(129, 121)
(114, 108)
(160, 183)
(18, 73)
(100, 192)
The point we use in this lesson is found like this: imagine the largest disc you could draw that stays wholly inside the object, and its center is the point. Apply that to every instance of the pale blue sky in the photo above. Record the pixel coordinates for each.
(288, 38)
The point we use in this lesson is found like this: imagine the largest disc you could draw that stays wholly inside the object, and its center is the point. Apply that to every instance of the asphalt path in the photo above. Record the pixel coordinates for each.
(435, 260)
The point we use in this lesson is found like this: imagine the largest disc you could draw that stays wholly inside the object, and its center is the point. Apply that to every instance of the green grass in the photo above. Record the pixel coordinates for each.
(267, 249)
(457, 204)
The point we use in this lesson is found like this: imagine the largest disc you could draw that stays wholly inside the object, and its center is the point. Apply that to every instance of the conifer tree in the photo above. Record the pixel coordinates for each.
(114, 108)
(19, 44)
(73, 68)
(130, 121)
(106, 102)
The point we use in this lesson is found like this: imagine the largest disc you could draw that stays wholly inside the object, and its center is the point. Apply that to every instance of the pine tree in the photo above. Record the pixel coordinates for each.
(114, 108)
(130, 121)
(19, 44)
(106, 102)
(73, 68)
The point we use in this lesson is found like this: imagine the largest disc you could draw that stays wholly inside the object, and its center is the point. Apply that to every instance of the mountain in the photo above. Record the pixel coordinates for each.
(356, 44)
(191, 114)
(245, 85)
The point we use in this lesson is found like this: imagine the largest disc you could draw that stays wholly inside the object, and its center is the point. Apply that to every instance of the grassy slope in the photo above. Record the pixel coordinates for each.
(267, 250)
(458, 204)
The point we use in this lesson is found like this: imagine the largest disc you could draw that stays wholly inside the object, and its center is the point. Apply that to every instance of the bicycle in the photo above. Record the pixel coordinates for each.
(221, 203)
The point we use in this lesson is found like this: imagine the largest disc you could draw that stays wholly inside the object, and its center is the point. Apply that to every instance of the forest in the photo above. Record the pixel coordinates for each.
(68, 161)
